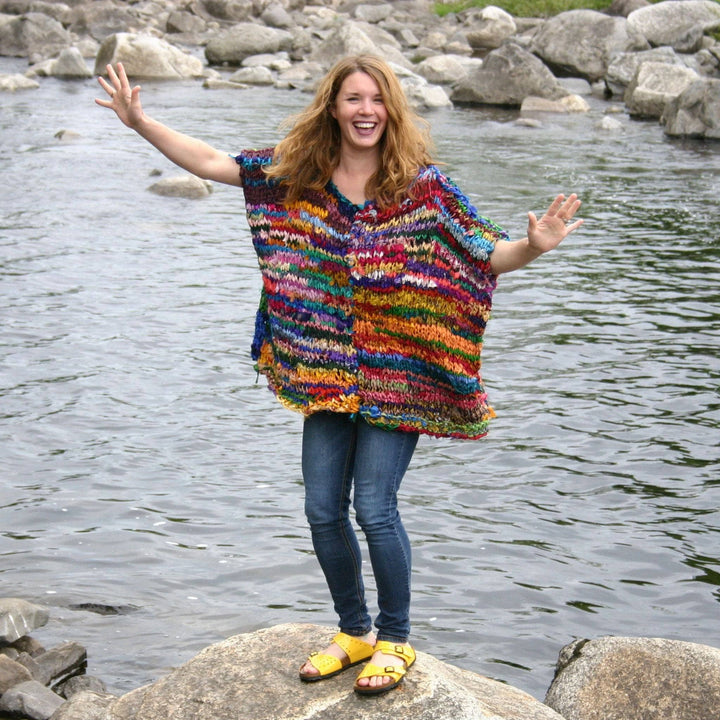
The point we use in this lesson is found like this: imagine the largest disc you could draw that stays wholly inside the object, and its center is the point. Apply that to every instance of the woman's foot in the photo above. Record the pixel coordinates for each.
(386, 668)
(345, 649)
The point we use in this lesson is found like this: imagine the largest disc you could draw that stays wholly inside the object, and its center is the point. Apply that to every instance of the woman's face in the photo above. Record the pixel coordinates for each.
(360, 112)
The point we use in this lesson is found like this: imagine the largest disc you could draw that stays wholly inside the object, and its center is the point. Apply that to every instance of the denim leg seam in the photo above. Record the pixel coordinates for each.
(346, 478)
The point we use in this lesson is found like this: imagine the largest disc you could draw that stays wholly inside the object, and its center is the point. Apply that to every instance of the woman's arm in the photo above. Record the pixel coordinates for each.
(543, 235)
(195, 156)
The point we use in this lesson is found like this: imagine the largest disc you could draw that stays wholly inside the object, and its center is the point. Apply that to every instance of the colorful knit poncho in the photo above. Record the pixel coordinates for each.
(370, 311)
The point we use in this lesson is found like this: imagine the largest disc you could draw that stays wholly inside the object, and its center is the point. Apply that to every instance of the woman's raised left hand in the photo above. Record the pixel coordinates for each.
(555, 225)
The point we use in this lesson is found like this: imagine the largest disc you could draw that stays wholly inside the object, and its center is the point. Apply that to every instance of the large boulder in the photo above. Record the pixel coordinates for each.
(242, 40)
(654, 85)
(34, 36)
(679, 24)
(507, 76)
(581, 43)
(447, 69)
(145, 56)
(254, 676)
(695, 112)
(620, 678)
(19, 617)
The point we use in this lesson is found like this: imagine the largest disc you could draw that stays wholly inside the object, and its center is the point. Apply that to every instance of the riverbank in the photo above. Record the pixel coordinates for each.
(661, 60)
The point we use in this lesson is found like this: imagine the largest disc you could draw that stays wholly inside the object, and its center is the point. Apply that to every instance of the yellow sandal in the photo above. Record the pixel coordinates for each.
(356, 651)
(403, 652)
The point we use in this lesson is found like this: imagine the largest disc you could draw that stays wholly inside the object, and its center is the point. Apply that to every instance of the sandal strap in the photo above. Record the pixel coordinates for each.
(391, 671)
(404, 652)
(355, 648)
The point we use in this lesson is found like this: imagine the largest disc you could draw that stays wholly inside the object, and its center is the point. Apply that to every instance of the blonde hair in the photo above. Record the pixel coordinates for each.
(307, 156)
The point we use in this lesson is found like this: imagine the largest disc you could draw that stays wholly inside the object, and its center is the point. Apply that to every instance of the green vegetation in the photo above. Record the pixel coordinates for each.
(524, 8)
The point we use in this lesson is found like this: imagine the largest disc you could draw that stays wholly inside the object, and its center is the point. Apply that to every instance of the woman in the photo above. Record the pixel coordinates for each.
(377, 283)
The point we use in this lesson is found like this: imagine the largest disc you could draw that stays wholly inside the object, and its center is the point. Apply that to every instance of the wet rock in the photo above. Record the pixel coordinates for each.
(253, 76)
(681, 25)
(618, 678)
(695, 112)
(80, 683)
(19, 617)
(145, 56)
(582, 43)
(14, 82)
(508, 75)
(182, 186)
(654, 85)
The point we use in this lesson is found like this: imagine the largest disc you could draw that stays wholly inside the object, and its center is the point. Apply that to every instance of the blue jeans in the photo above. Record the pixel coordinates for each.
(340, 452)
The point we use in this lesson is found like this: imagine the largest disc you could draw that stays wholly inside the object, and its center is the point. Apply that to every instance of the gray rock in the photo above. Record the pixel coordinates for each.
(696, 111)
(246, 677)
(625, 7)
(232, 10)
(145, 56)
(447, 69)
(616, 678)
(12, 673)
(373, 13)
(568, 104)
(257, 75)
(678, 24)
(489, 28)
(422, 95)
(19, 617)
(34, 36)
(623, 67)
(183, 186)
(86, 705)
(59, 663)
(103, 18)
(181, 21)
(275, 15)
(654, 85)
(583, 42)
(240, 41)
(69, 64)
(351, 39)
(507, 76)
(31, 700)
(80, 683)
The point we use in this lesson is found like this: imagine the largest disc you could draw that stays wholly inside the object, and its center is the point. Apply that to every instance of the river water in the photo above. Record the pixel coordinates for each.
(144, 468)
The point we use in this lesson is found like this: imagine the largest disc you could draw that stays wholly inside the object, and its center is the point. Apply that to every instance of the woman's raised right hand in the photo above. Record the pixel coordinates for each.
(123, 100)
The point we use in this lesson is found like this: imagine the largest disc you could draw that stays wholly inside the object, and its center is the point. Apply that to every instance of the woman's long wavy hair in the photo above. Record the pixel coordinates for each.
(307, 156)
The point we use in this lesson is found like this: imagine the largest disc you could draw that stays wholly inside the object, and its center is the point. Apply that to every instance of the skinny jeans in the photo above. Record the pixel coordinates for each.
(344, 458)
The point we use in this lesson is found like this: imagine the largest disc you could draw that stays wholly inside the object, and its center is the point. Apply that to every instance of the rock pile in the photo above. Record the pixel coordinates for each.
(35, 682)
(662, 59)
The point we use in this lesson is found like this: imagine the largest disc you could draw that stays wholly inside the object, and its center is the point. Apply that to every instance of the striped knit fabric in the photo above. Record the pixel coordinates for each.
(369, 311)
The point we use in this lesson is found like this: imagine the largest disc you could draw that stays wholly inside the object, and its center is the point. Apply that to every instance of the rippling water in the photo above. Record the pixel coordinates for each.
(145, 467)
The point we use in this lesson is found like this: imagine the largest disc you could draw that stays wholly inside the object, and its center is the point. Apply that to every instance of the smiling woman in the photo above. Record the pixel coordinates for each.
(378, 277)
